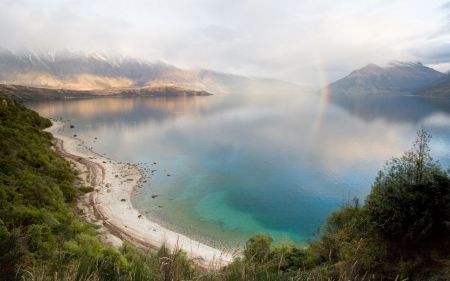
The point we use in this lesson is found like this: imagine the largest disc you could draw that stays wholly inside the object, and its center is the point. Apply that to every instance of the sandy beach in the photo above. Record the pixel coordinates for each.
(109, 205)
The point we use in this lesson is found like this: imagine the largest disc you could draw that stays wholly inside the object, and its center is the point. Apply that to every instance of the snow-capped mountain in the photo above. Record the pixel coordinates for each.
(78, 70)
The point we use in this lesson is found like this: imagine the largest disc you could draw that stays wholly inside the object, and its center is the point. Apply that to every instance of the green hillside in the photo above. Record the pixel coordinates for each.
(41, 238)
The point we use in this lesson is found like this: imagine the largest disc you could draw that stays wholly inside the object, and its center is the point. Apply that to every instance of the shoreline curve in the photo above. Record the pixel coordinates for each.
(110, 203)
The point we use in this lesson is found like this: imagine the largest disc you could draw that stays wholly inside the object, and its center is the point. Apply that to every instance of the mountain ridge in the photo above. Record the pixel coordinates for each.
(395, 78)
(80, 70)
(439, 87)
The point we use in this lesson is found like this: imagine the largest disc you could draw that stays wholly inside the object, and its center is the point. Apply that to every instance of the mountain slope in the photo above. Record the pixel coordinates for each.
(440, 87)
(80, 70)
(90, 71)
(396, 78)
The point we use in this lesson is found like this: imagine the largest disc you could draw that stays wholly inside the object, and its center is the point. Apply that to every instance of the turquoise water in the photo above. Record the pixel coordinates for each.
(231, 166)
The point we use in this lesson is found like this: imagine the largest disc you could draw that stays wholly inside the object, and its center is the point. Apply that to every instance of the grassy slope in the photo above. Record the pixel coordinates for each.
(40, 236)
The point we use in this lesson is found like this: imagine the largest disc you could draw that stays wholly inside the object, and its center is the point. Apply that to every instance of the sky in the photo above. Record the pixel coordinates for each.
(308, 42)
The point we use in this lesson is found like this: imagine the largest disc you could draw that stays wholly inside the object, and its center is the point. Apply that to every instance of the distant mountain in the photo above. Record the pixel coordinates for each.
(439, 87)
(79, 70)
(396, 78)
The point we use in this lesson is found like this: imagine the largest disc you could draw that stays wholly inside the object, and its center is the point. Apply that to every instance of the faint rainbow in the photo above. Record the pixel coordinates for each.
(323, 101)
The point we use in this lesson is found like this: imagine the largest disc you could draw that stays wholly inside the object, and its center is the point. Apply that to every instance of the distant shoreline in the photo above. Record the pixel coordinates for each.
(26, 93)
(109, 205)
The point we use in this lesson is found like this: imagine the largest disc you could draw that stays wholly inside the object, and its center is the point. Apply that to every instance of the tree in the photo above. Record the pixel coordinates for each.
(257, 248)
(410, 198)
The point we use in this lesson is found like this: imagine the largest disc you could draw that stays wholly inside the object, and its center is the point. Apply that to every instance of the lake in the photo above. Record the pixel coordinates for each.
(225, 167)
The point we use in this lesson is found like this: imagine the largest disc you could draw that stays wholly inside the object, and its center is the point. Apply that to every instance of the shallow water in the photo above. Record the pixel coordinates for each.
(230, 166)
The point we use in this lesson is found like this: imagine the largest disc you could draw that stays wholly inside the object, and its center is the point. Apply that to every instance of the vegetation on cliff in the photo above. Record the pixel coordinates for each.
(41, 238)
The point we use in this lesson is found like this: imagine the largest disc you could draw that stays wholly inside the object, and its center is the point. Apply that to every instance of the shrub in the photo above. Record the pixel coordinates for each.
(257, 248)
(86, 189)
(410, 198)
(10, 254)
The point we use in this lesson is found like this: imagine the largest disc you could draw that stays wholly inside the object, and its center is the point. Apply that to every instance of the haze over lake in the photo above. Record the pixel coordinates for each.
(231, 166)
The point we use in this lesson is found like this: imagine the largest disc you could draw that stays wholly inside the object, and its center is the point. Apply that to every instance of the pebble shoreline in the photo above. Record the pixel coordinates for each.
(110, 203)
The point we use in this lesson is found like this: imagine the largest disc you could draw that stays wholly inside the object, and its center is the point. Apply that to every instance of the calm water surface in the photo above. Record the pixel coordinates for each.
(244, 164)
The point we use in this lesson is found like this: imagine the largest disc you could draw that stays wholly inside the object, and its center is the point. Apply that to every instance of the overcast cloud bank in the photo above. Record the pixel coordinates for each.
(304, 42)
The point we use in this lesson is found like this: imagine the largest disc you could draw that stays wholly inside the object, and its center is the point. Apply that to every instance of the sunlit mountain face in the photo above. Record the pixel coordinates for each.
(91, 71)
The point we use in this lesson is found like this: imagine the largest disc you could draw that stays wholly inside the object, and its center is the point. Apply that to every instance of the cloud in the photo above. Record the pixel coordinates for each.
(434, 48)
(59, 28)
(446, 6)
(434, 54)
(298, 41)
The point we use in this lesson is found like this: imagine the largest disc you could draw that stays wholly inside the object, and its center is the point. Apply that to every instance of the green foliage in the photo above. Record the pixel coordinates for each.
(411, 196)
(142, 266)
(174, 265)
(264, 261)
(257, 248)
(10, 254)
(112, 264)
(347, 244)
(401, 229)
(35, 184)
(68, 191)
(86, 189)
(287, 256)
(32, 175)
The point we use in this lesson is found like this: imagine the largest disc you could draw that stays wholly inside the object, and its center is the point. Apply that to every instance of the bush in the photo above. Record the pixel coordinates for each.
(257, 248)
(86, 189)
(10, 254)
(112, 264)
(287, 256)
(410, 198)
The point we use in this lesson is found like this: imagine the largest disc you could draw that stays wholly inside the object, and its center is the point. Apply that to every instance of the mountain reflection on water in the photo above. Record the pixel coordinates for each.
(244, 164)
(406, 109)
